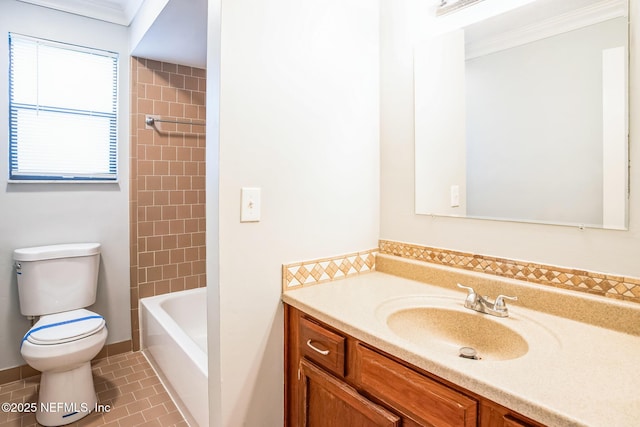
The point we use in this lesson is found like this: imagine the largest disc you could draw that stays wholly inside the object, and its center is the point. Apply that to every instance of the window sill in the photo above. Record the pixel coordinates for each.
(57, 181)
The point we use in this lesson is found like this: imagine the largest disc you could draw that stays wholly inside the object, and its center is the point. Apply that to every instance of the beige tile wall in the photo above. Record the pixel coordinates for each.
(167, 206)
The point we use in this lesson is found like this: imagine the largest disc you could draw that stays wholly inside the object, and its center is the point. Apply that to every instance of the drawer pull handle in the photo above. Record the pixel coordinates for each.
(313, 347)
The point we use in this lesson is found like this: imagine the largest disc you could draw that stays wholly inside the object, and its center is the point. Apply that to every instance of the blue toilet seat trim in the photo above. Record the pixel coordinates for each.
(52, 325)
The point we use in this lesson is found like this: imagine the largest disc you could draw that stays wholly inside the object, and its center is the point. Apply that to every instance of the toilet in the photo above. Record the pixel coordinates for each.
(56, 283)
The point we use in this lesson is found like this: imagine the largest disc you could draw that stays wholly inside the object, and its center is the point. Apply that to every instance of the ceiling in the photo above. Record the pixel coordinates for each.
(178, 33)
(117, 11)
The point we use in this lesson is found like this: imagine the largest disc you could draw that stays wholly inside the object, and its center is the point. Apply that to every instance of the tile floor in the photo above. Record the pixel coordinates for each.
(126, 385)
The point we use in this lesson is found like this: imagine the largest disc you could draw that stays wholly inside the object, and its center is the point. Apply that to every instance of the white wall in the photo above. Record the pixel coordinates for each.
(440, 156)
(172, 31)
(144, 20)
(213, 211)
(299, 119)
(402, 23)
(39, 214)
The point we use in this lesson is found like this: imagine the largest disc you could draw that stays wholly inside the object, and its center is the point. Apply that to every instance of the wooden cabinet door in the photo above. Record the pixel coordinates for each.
(494, 415)
(512, 422)
(325, 401)
(424, 400)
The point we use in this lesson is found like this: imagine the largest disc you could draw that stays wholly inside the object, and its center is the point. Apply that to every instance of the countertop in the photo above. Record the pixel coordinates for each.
(583, 375)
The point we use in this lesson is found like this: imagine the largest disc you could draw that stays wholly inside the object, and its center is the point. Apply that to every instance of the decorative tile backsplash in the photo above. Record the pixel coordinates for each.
(579, 280)
(323, 270)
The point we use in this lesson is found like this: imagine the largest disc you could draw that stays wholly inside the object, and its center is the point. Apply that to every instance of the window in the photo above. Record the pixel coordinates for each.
(62, 111)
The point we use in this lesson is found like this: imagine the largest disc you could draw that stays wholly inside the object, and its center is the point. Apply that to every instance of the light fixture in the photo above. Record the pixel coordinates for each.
(448, 6)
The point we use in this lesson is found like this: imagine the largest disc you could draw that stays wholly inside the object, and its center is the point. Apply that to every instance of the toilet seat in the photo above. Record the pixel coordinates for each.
(64, 327)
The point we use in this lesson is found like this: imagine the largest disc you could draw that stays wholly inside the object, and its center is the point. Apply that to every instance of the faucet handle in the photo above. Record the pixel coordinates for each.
(499, 303)
(472, 296)
(468, 288)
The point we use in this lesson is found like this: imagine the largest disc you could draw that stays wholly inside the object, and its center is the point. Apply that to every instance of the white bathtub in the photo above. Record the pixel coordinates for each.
(173, 336)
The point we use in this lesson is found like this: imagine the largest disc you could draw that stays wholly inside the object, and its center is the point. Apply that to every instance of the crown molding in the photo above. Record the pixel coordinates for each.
(116, 12)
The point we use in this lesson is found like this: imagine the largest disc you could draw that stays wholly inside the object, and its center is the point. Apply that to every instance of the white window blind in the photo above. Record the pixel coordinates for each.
(63, 111)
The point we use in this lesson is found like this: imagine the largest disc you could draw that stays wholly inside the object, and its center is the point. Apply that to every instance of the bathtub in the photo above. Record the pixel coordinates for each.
(173, 337)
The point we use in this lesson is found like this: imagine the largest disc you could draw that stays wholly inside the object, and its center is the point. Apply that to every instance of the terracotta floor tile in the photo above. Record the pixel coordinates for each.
(131, 420)
(171, 419)
(138, 406)
(128, 390)
(154, 412)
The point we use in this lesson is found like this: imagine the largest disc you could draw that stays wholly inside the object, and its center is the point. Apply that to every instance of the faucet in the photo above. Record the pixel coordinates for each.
(483, 304)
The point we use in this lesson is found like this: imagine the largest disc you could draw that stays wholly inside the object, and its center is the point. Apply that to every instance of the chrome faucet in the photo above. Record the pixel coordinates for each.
(483, 304)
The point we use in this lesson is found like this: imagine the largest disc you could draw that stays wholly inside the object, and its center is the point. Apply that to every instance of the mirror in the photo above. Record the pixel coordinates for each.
(523, 116)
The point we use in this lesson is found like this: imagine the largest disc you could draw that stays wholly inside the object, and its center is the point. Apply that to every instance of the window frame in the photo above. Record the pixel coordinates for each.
(109, 176)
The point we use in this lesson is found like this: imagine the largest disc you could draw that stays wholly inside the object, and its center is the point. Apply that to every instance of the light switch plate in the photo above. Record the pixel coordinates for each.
(250, 208)
(455, 196)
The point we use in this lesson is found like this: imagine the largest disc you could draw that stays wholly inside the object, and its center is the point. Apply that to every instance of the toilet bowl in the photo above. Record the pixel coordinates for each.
(55, 283)
(61, 346)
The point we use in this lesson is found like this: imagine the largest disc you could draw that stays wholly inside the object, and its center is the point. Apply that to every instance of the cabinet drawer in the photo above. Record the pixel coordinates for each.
(323, 346)
(421, 398)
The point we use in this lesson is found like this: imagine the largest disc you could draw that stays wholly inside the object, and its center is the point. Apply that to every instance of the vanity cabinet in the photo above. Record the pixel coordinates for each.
(334, 380)
(323, 399)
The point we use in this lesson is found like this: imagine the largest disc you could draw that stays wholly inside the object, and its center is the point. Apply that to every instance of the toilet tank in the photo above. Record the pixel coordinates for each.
(57, 278)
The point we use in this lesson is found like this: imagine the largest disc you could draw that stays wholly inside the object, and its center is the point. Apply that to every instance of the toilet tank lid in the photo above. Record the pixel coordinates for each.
(39, 253)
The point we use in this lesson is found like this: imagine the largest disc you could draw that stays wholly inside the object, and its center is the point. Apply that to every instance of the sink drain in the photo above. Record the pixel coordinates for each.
(469, 353)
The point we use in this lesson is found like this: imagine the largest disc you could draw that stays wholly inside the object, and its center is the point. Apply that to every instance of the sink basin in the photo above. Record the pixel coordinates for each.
(442, 325)
(426, 326)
